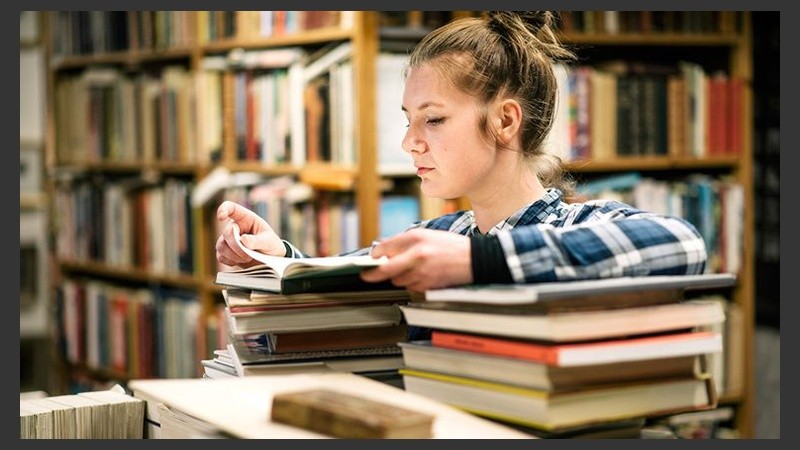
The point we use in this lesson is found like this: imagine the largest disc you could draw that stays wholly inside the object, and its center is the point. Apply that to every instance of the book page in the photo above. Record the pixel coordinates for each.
(281, 263)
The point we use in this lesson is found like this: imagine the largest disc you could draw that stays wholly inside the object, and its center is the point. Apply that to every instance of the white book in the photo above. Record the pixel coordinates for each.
(302, 274)
(241, 407)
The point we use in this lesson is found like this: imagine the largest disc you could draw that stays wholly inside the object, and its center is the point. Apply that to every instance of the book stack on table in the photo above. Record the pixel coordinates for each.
(569, 359)
(290, 315)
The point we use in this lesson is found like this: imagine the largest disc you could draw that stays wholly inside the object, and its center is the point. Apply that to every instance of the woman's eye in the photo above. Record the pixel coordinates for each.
(434, 120)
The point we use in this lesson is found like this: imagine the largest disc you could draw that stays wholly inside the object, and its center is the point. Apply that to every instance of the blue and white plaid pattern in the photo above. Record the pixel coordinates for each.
(551, 240)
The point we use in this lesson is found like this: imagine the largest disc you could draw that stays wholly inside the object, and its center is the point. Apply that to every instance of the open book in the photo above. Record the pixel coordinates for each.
(298, 275)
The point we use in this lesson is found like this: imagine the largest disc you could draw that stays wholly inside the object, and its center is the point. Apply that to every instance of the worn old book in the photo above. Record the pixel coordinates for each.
(249, 362)
(126, 413)
(619, 292)
(241, 407)
(346, 415)
(585, 353)
(554, 411)
(617, 429)
(297, 319)
(64, 424)
(338, 339)
(421, 355)
(568, 326)
(35, 420)
(299, 275)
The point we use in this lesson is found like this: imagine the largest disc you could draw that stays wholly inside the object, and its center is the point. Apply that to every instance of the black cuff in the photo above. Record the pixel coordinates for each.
(488, 260)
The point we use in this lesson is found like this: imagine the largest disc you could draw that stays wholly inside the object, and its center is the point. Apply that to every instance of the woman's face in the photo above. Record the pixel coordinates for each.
(450, 153)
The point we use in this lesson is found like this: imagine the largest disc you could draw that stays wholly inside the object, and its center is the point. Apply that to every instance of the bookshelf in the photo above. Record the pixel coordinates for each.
(718, 42)
(143, 57)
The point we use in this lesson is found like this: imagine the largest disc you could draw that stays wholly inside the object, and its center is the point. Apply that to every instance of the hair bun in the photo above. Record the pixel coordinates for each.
(534, 21)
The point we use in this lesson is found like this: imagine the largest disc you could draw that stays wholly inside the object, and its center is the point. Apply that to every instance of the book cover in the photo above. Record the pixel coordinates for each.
(520, 294)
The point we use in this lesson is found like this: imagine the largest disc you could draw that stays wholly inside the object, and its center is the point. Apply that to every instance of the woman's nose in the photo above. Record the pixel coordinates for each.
(411, 142)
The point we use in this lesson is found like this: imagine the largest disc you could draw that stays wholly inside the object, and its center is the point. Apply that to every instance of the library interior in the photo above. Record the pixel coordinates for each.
(135, 126)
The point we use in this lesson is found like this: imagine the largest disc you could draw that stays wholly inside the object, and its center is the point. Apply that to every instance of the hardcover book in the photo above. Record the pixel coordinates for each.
(349, 416)
(553, 411)
(587, 291)
(421, 355)
(569, 326)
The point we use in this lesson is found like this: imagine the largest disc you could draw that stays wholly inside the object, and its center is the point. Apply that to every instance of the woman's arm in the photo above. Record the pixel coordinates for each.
(602, 240)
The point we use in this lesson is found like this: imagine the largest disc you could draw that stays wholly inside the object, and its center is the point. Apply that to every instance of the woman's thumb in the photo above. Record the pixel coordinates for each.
(249, 241)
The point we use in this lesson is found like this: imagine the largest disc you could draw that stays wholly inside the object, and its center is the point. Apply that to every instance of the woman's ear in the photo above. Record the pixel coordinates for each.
(508, 120)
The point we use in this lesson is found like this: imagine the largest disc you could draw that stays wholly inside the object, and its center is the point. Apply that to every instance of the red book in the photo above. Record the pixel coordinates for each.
(735, 124)
(599, 352)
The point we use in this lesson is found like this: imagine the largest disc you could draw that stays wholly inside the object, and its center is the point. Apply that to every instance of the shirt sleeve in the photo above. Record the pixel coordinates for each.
(602, 241)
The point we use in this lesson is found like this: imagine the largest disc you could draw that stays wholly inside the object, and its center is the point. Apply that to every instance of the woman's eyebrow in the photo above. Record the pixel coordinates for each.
(425, 105)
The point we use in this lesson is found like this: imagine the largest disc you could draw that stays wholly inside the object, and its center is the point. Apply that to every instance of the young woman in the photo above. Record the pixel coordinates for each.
(479, 96)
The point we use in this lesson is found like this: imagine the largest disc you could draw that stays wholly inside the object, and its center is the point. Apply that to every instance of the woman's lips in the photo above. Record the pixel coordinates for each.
(423, 170)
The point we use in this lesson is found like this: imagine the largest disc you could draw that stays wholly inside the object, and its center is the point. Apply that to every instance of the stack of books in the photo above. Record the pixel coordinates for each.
(309, 315)
(568, 358)
(110, 414)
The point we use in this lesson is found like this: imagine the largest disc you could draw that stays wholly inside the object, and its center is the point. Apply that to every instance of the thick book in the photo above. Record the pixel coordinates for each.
(298, 275)
(241, 407)
(312, 318)
(570, 326)
(554, 411)
(605, 292)
(585, 353)
(349, 416)
(421, 355)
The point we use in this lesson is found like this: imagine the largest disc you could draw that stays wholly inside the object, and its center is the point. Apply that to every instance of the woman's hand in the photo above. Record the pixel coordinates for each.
(421, 259)
(255, 232)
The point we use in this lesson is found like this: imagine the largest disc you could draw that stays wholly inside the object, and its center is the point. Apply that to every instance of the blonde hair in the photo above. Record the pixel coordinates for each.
(508, 53)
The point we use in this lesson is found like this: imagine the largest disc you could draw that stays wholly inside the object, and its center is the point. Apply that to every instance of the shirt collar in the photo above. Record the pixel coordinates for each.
(535, 212)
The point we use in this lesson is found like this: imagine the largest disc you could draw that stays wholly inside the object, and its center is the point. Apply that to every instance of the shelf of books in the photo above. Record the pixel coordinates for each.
(155, 117)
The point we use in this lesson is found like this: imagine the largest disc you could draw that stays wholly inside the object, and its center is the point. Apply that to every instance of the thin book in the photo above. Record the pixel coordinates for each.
(597, 292)
(585, 353)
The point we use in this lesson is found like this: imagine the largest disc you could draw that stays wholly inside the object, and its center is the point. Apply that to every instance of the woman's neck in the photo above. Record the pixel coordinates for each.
(503, 196)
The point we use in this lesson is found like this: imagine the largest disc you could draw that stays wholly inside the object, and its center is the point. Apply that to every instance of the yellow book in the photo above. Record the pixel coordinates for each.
(556, 411)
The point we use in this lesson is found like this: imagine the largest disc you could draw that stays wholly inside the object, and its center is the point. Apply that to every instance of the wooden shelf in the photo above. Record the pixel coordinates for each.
(130, 167)
(319, 36)
(128, 58)
(130, 274)
(653, 163)
(653, 39)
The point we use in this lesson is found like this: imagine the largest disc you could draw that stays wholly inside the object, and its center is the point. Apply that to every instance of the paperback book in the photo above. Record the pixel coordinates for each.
(298, 275)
